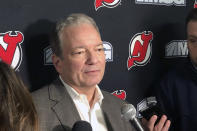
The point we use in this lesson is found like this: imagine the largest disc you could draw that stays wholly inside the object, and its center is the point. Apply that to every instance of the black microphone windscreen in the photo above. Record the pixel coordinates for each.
(148, 107)
(82, 126)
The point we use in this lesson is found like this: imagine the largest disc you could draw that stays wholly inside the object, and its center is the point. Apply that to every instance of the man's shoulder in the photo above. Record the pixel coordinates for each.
(46, 88)
(181, 69)
(41, 94)
(46, 96)
(44, 91)
(179, 74)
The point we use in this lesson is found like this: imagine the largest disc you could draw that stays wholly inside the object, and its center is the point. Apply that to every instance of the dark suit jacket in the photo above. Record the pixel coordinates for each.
(57, 111)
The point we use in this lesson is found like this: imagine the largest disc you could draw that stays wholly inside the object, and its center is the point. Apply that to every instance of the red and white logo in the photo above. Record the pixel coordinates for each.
(120, 94)
(140, 49)
(195, 4)
(10, 48)
(107, 3)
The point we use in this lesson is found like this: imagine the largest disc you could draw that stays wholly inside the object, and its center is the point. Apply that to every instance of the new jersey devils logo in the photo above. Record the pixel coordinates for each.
(10, 49)
(195, 4)
(140, 49)
(106, 3)
(120, 94)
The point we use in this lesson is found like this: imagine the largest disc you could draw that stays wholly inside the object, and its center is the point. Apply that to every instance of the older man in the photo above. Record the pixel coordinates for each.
(80, 62)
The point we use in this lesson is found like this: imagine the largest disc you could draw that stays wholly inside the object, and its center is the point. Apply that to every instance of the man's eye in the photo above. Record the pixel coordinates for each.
(78, 52)
(101, 49)
(192, 40)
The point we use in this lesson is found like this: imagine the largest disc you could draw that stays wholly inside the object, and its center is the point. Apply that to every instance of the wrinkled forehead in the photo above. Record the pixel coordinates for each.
(80, 35)
(62, 25)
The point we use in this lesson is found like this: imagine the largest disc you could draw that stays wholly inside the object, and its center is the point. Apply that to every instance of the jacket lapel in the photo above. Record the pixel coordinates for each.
(112, 115)
(64, 108)
(66, 112)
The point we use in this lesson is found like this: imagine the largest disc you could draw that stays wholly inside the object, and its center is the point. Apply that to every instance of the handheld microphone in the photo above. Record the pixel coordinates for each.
(148, 107)
(82, 126)
(129, 113)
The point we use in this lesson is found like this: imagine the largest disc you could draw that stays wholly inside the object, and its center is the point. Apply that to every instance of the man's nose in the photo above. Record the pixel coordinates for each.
(92, 58)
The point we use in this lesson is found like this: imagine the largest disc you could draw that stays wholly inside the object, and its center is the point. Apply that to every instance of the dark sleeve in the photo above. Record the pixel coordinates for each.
(165, 97)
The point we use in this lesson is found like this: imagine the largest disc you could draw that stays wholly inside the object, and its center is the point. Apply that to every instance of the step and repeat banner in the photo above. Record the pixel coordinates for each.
(142, 40)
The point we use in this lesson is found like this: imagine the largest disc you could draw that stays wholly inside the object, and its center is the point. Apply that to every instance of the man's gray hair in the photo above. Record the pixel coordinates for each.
(71, 20)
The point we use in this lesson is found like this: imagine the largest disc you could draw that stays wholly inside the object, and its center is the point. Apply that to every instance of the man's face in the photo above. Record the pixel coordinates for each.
(83, 62)
(192, 40)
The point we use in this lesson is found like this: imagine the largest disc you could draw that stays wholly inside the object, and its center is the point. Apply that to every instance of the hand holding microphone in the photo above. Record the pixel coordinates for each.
(154, 116)
(129, 113)
(162, 125)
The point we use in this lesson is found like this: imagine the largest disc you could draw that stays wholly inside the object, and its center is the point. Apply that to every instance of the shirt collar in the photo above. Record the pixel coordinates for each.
(75, 95)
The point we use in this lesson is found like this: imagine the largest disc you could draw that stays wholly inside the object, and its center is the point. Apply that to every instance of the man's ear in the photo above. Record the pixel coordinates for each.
(57, 62)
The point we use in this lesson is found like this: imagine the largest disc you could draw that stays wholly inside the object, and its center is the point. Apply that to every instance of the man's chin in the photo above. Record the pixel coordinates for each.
(91, 83)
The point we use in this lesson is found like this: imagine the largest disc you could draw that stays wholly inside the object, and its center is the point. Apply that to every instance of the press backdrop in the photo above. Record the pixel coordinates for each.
(142, 38)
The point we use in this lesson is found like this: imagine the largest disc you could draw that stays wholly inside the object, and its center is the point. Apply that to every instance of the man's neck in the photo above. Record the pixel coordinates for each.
(88, 91)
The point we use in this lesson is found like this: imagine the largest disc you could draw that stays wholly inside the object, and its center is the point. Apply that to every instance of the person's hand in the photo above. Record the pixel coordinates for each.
(162, 125)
